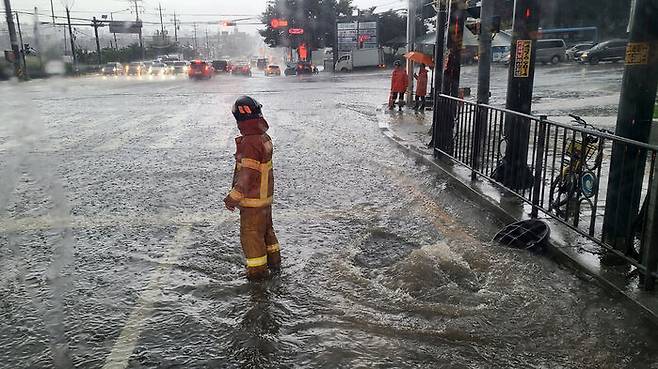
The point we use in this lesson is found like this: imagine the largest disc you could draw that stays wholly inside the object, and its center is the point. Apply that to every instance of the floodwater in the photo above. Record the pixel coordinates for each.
(116, 251)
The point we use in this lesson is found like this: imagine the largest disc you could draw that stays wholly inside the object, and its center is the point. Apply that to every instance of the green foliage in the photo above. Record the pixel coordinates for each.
(316, 17)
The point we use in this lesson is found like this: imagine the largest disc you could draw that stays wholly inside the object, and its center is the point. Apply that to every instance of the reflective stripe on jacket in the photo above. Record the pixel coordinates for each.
(253, 178)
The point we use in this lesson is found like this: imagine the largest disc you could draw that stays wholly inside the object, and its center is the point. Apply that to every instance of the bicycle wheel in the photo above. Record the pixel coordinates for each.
(563, 189)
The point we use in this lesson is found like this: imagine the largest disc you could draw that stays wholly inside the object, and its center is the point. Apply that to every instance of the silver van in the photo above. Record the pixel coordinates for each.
(551, 51)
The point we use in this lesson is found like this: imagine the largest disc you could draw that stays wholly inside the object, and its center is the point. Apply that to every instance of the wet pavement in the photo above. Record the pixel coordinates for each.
(115, 249)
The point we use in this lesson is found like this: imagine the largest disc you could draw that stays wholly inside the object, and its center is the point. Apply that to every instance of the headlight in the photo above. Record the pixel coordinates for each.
(584, 55)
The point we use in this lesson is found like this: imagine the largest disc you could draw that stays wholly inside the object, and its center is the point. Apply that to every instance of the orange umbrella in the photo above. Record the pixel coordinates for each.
(419, 57)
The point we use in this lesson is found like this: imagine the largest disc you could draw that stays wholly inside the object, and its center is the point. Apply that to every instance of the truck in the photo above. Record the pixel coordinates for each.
(360, 58)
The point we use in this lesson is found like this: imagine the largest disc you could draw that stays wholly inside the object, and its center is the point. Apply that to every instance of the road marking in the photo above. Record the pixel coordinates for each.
(125, 345)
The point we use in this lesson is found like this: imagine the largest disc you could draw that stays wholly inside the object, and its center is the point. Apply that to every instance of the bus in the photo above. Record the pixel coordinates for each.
(571, 36)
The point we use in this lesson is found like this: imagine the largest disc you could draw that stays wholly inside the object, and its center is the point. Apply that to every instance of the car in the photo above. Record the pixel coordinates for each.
(158, 69)
(241, 69)
(261, 63)
(574, 52)
(112, 69)
(305, 68)
(291, 69)
(272, 70)
(136, 69)
(180, 67)
(200, 69)
(612, 50)
(221, 66)
(551, 51)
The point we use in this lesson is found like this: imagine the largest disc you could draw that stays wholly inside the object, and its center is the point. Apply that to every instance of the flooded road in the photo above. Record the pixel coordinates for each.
(116, 250)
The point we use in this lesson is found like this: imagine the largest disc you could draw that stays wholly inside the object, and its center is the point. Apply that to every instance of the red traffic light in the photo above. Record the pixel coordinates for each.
(296, 31)
(278, 23)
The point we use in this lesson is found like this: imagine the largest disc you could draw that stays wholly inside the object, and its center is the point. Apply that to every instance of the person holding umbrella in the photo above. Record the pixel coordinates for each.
(421, 89)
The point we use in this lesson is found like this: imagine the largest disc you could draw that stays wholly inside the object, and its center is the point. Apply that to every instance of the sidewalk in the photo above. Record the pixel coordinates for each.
(412, 132)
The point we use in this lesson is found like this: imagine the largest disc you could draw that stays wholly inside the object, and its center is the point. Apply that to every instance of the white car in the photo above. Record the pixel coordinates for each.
(159, 69)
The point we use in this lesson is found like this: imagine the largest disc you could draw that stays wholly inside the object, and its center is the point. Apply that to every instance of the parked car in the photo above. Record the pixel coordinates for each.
(241, 69)
(221, 66)
(159, 69)
(136, 69)
(112, 69)
(551, 51)
(304, 67)
(272, 70)
(612, 50)
(574, 52)
(200, 69)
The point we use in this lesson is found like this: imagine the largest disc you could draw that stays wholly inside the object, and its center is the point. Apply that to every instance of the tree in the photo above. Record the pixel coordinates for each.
(316, 17)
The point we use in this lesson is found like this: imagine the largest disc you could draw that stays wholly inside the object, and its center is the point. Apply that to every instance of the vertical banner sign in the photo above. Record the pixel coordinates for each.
(637, 53)
(522, 60)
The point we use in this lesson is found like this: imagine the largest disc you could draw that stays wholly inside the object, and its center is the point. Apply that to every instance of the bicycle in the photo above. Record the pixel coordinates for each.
(577, 181)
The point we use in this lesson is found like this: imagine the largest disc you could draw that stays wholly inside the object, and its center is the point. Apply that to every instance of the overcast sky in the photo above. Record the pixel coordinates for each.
(189, 10)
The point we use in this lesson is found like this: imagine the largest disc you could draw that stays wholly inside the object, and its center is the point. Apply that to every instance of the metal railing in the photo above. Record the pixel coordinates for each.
(559, 169)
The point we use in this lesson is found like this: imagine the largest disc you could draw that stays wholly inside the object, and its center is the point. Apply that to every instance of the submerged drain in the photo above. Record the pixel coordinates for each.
(526, 234)
(382, 249)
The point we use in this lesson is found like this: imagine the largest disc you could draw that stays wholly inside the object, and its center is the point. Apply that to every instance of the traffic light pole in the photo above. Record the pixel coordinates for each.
(411, 39)
(14, 41)
(634, 117)
(513, 170)
(75, 57)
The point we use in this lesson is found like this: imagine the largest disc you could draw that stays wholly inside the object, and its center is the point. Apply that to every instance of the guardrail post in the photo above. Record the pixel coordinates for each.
(649, 247)
(539, 155)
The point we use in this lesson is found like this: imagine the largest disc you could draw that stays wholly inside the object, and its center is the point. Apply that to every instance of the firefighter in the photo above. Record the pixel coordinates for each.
(421, 89)
(399, 83)
(253, 187)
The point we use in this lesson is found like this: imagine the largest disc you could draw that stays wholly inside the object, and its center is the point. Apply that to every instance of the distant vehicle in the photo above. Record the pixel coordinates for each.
(159, 69)
(291, 69)
(469, 55)
(551, 51)
(612, 50)
(304, 67)
(112, 69)
(241, 69)
(221, 66)
(180, 67)
(574, 52)
(199, 69)
(136, 69)
(272, 70)
(261, 63)
(571, 35)
(361, 58)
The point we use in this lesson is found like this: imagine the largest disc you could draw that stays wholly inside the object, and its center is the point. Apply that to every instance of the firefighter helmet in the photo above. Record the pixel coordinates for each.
(246, 108)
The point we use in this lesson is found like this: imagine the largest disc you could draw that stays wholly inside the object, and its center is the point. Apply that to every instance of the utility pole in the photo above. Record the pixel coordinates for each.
(484, 78)
(451, 74)
(634, 121)
(96, 24)
(513, 171)
(141, 42)
(207, 45)
(411, 38)
(22, 49)
(37, 38)
(14, 42)
(75, 57)
(52, 11)
(195, 42)
(438, 65)
(161, 23)
(175, 28)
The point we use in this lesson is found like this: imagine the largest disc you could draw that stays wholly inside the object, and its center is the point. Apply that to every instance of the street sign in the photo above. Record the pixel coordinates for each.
(522, 58)
(357, 36)
(278, 23)
(125, 26)
(296, 31)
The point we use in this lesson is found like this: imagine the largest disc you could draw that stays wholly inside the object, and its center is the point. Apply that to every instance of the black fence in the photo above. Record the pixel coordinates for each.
(558, 168)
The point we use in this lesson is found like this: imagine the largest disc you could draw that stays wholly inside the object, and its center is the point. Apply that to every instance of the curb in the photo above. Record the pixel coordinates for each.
(554, 248)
